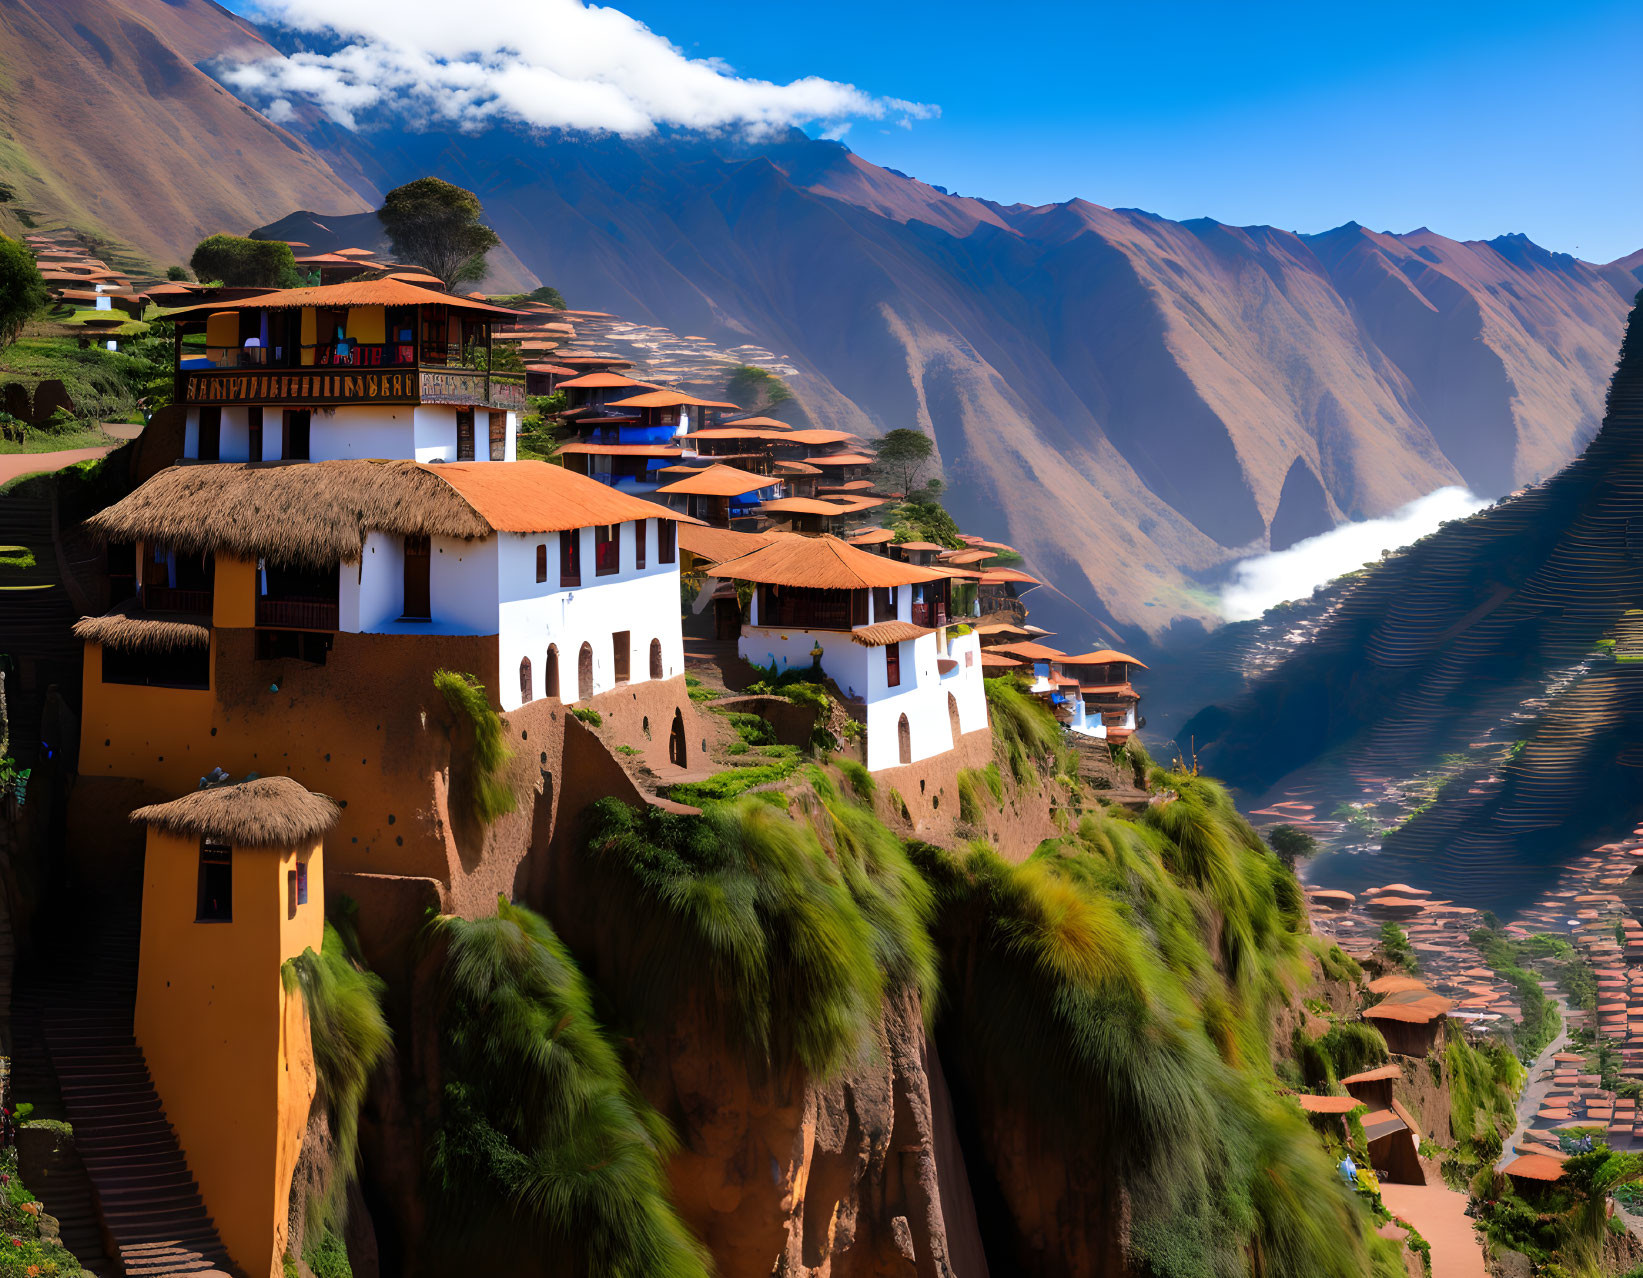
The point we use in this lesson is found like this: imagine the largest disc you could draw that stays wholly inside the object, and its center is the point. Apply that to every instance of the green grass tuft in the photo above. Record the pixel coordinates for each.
(540, 1127)
(489, 794)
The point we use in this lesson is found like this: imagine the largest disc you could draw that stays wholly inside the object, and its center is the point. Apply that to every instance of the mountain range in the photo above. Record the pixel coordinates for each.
(1133, 402)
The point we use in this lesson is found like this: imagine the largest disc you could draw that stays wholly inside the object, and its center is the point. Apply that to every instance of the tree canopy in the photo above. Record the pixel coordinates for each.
(23, 293)
(240, 262)
(436, 225)
(903, 456)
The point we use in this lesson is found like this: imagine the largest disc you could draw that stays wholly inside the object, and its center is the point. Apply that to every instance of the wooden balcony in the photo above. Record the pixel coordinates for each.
(337, 385)
(170, 599)
(297, 614)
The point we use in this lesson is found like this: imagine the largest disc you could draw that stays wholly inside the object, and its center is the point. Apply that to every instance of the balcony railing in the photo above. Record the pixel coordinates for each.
(804, 614)
(297, 614)
(170, 599)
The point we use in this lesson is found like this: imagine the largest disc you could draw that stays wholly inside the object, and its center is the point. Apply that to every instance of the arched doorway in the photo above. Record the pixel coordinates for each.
(525, 688)
(676, 740)
(550, 672)
(584, 673)
(655, 658)
(904, 739)
(952, 717)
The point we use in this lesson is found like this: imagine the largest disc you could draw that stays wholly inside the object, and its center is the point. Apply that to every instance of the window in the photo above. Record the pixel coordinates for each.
(621, 644)
(641, 530)
(655, 658)
(210, 448)
(290, 894)
(667, 538)
(418, 569)
(570, 557)
(550, 672)
(904, 740)
(584, 672)
(884, 603)
(302, 883)
(464, 434)
(542, 562)
(296, 425)
(499, 436)
(607, 550)
(179, 668)
(215, 903)
(525, 681)
(892, 665)
(253, 421)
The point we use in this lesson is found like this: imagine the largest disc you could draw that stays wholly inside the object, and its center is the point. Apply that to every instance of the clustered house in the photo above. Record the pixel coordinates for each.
(290, 615)
(367, 369)
(1090, 693)
(879, 629)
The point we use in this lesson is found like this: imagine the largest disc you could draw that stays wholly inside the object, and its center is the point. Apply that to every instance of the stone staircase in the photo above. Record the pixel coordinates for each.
(137, 1192)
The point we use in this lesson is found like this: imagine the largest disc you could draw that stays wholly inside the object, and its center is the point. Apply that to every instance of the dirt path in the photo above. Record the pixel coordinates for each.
(1539, 1084)
(1438, 1213)
(15, 465)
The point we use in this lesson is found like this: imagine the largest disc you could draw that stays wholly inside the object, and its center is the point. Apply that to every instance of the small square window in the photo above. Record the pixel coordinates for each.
(215, 902)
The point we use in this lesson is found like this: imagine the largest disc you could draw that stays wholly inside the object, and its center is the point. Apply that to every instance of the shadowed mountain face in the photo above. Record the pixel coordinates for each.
(1510, 642)
(1130, 400)
(107, 126)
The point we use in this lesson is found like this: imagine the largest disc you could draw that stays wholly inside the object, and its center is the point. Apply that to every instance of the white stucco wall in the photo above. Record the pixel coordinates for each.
(860, 673)
(642, 601)
(426, 432)
(462, 588)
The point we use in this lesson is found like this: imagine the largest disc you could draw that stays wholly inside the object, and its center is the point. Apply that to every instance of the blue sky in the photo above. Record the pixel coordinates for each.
(1472, 119)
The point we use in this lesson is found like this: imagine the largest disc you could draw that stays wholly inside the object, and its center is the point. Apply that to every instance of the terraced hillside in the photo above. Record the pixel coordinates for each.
(1508, 646)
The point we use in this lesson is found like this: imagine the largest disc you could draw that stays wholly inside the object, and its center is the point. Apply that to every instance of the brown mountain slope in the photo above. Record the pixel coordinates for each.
(107, 126)
(1131, 400)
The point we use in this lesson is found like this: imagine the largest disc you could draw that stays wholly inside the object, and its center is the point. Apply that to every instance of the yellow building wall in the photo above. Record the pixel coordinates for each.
(368, 324)
(162, 735)
(234, 593)
(230, 1058)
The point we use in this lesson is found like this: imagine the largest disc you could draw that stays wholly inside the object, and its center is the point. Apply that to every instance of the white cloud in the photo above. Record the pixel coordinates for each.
(1257, 584)
(542, 63)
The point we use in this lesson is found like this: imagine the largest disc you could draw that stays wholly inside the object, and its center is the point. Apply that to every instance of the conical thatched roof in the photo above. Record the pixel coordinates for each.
(268, 812)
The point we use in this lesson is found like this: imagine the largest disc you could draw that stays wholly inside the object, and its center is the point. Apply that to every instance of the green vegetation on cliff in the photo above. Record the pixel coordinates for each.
(542, 1137)
(1114, 995)
(785, 934)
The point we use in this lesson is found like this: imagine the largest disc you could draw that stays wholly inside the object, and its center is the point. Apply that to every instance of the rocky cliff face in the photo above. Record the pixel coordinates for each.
(106, 125)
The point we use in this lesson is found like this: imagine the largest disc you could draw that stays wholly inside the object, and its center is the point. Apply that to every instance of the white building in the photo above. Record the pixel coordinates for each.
(878, 628)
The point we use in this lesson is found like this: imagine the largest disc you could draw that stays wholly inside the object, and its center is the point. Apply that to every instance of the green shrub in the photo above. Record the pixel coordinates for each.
(540, 1127)
(698, 691)
(588, 715)
(490, 796)
(1022, 726)
(751, 728)
(240, 262)
(858, 778)
(732, 782)
(325, 1253)
(747, 918)
(1353, 1046)
(351, 1038)
(1396, 948)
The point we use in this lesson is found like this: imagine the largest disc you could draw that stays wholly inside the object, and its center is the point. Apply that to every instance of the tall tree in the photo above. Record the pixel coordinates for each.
(903, 456)
(23, 294)
(436, 225)
(244, 263)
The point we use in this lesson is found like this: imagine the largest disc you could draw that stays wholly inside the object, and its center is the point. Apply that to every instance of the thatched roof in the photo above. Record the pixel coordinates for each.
(268, 812)
(888, 632)
(824, 563)
(719, 544)
(130, 628)
(316, 514)
(301, 514)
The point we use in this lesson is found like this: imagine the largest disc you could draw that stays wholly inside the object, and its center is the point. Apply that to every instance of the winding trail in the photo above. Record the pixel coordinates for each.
(1439, 1214)
(1538, 1085)
(16, 465)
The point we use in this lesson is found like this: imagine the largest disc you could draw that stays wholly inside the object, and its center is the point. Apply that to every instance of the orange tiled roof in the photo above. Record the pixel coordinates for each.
(353, 293)
(720, 481)
(1103, 656)
(824, 563)
(532, 496)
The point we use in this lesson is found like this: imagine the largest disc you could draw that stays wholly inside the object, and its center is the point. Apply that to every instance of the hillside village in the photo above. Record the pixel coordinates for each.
(405, 583)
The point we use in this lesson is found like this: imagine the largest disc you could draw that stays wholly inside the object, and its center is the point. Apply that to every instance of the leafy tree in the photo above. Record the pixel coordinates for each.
(179, 273)
(904, 455)
(1395, 945)
(23, 293)
(757, 388)
(1291, 843)
(547, 293)
(436, 225)
(241, 262)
